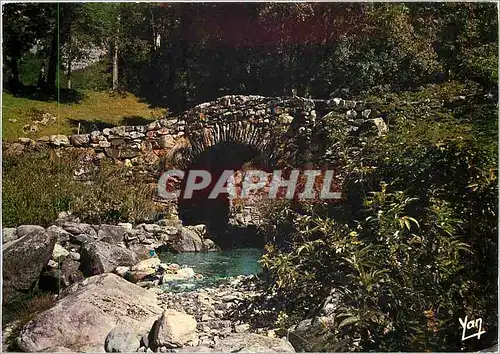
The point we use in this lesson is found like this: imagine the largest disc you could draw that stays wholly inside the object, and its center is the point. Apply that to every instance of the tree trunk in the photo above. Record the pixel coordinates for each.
(14, 79)
(52, 72)
(115, 66)
(69, 73)
(153, 28)
(115, 57)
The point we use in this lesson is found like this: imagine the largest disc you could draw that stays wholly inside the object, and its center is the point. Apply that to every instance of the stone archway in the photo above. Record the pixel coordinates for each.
(234, 130)
(214, 213)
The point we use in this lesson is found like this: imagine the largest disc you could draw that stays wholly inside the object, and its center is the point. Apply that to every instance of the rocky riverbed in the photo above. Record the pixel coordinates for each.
(108, 313)
(113, 293)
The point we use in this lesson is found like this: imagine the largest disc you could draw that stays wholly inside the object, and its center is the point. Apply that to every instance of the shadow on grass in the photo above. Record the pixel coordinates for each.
(45, 95)
(88, 126)
(136, 120)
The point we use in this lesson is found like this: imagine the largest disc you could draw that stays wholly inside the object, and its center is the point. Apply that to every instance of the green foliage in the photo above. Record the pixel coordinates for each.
(268, 48)
(35, 188)
(113, 197)
(39, 185)
(413, 246)
(95, 77)
(29, 69)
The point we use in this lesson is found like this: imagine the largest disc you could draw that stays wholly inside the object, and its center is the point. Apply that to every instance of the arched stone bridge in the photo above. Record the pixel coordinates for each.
(227, 133)
(278, 129)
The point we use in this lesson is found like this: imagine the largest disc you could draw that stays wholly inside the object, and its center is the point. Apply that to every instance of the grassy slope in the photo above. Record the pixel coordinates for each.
(98, 108)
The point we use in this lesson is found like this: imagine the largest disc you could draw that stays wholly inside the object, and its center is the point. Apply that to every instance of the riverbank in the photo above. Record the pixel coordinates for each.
(107, 313)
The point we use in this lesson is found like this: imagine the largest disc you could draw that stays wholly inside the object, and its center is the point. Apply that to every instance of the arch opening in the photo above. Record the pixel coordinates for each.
(215, 213)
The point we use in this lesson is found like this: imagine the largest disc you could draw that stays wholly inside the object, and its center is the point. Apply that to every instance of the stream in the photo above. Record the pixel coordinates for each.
(216, 267)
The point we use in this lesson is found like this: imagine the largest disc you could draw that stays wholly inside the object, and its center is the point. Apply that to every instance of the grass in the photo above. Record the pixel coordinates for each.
(107, 195)
(94, 110)
(22, 310)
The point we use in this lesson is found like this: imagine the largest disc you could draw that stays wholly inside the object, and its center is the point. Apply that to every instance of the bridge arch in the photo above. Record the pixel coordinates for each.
(230, 132)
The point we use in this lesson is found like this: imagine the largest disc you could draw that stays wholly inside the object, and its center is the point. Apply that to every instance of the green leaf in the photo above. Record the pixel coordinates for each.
(349, 321)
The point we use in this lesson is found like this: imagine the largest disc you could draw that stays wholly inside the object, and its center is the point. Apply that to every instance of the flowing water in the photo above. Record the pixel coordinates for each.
(215, 267)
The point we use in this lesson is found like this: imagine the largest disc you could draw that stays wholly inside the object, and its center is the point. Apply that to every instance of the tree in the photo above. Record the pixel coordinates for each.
(25, 25)
(75, 34)
(105, 22)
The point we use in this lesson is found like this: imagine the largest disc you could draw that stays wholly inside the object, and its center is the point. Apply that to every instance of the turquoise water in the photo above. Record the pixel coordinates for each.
(214, 266)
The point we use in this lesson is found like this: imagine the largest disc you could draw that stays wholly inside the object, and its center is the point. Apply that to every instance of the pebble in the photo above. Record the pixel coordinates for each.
(74, 256)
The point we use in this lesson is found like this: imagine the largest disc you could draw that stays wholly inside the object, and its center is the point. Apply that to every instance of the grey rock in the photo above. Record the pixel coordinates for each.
(23, 230)
(152, 228)
(80, 139)
(74, 256)
(210, 246)
(198, 349)
(101, 257)
(242, 328)
(308, 335)
(174, 329)
(9, 234)
(23, 261)
(379, 123)
(59, 253)
(70, 272)
(62, 236)
(111, 233)
(122, 340)
(80, 239)
(86, 314)
(187, 241)
(154, 125)
(104, 144)
(136, 135)
(79, 228)
(145, 340)
(59, 140)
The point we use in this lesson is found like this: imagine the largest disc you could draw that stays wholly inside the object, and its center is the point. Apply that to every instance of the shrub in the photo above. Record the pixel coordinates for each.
(111, 196)
(38, 185)
(412, 249)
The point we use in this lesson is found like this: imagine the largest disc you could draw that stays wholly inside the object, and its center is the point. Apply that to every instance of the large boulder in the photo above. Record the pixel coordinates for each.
(174, 329)
(88, 312)
(77, 228)
(61, 235)
(23, 230)
(101, 257)
(111, 233)
(23, 261)
(253, 343)
(187, 240)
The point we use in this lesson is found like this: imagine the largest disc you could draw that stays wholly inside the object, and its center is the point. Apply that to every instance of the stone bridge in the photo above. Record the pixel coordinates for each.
(226, 134)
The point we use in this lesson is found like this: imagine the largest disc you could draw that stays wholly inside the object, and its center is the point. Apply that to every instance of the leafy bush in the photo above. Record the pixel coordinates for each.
(412, 249)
